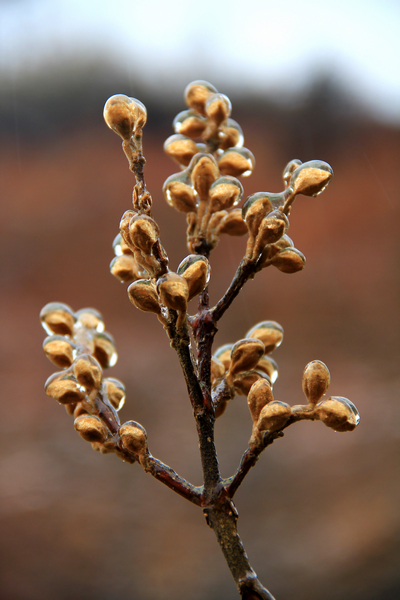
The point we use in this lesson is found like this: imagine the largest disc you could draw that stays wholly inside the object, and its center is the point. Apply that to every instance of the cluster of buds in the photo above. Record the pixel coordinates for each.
(235, 368)
(78, 344)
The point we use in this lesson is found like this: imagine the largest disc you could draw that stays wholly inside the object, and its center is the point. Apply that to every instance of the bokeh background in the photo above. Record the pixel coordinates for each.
(319, 515)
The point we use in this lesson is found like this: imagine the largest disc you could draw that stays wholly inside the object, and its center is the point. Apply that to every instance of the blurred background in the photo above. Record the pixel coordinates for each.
(319, 515)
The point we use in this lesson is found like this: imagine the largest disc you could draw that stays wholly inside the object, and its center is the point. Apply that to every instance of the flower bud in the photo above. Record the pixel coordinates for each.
(173, 291)
(215, 220)
(338, 413)
(233, 224)
(197, 93)
(243, 381)
(245, 355)
(224, 355)
(64, 388)
(180, 148)
(195, 270)
(124, 115)
(120, 247)
(60, 351)
(104, 349)
(143, 294)
(288, 170)
(218, 107)
(225, 192)
(179, 194)
(124, 227)
(272, 249)
(270, 333)
(88, 372)
(230, 135)
(91, 429)
(143, 232)
(57, 318)
(238, 162)
(274, 416)
(311, 178)
(115, 391)
(125, 268)
(289, 260)
(256, 207)
(204, 171)
(134, 438)
(259, 395)
(269, 366)
(189, 124)
(90, 318)
(316, 380)
(272, 228)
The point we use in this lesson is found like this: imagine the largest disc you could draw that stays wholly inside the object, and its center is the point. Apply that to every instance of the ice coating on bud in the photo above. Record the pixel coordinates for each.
(233, 224)
(288, 170)
(218, 107)
(269, 366)
(245, 355)
(124, 115)
(143, 294)
(238, 162)
(115, 391)
(180, 148)
(91, 429)
(230, 135)
(57, 318)
(256, 207)
(274, 416)
(243, 382)
(225, 192)
(311, 178)
(90, 318)
(289, 260)
(197, 93)
(196, 270)
(134, 438)
(104, 349)
(60, 351)
(204, 171)
(64, 388)
(179, 193)
(269, 332)
(173, 291)
(143, 232)
(223, 353)
(272, 228)
(316, 380)
(125, 268)
(189, 123)
(259, 395)
(217, 369)
(88, 372)
(338, 413)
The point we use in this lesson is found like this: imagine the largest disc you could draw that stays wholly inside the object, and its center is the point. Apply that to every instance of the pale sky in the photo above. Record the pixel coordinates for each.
(258, 44)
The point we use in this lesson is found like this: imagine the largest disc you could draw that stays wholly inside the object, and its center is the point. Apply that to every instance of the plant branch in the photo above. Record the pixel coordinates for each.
(244, 272)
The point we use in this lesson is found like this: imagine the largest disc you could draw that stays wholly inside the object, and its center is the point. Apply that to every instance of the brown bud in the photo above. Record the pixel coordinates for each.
(197, 93)
(215, 220)
(125, 268)
(224, 355)
(272, 249)
(143, 294)
(124, 227)
(269, 332)
(238, 162)
(88, 372)
(195, 270)
(134, 438)
(90, 318)
(143, 232)
(124, 115)
(105, 350)
(225, 192)
(274, 416)
(289, 260)
(233, 224)
(245, 355)
(179, 194)
(115, 391)
(268, 365)
(57, 318)
(272, 228)
(230, 135)
(218, 107)
(91, 429)
(173, 291)
(311, 178)
(180, 148)
(204, 171)
(64, 388)
(59, 350)
(256, 207)
(316, 380)
(338, 413)
(243, 381)
(259, 395)
(190, 124)
(217, 369)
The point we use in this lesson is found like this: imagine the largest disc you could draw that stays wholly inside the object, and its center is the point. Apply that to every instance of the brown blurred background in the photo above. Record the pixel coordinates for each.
(319, 515)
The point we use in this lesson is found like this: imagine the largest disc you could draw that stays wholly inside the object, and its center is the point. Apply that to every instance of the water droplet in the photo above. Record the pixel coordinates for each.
(245, 355)
(60, 351)
(289, 260)
(64, 388)
(311, 178)
(238, 162)
(117, 245)
(269, 366)
(180, 148)
(218, 107)
(190, 124)
(338, 413)
(124, 115)
(196, 94)
(116, 392)
(90, 318)
(269, 332)
(105, 351)
(223, 353)
(225, 193)
(57, 318)
(196, 270)
(288, 170)
(179, 193)
(230, 135)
